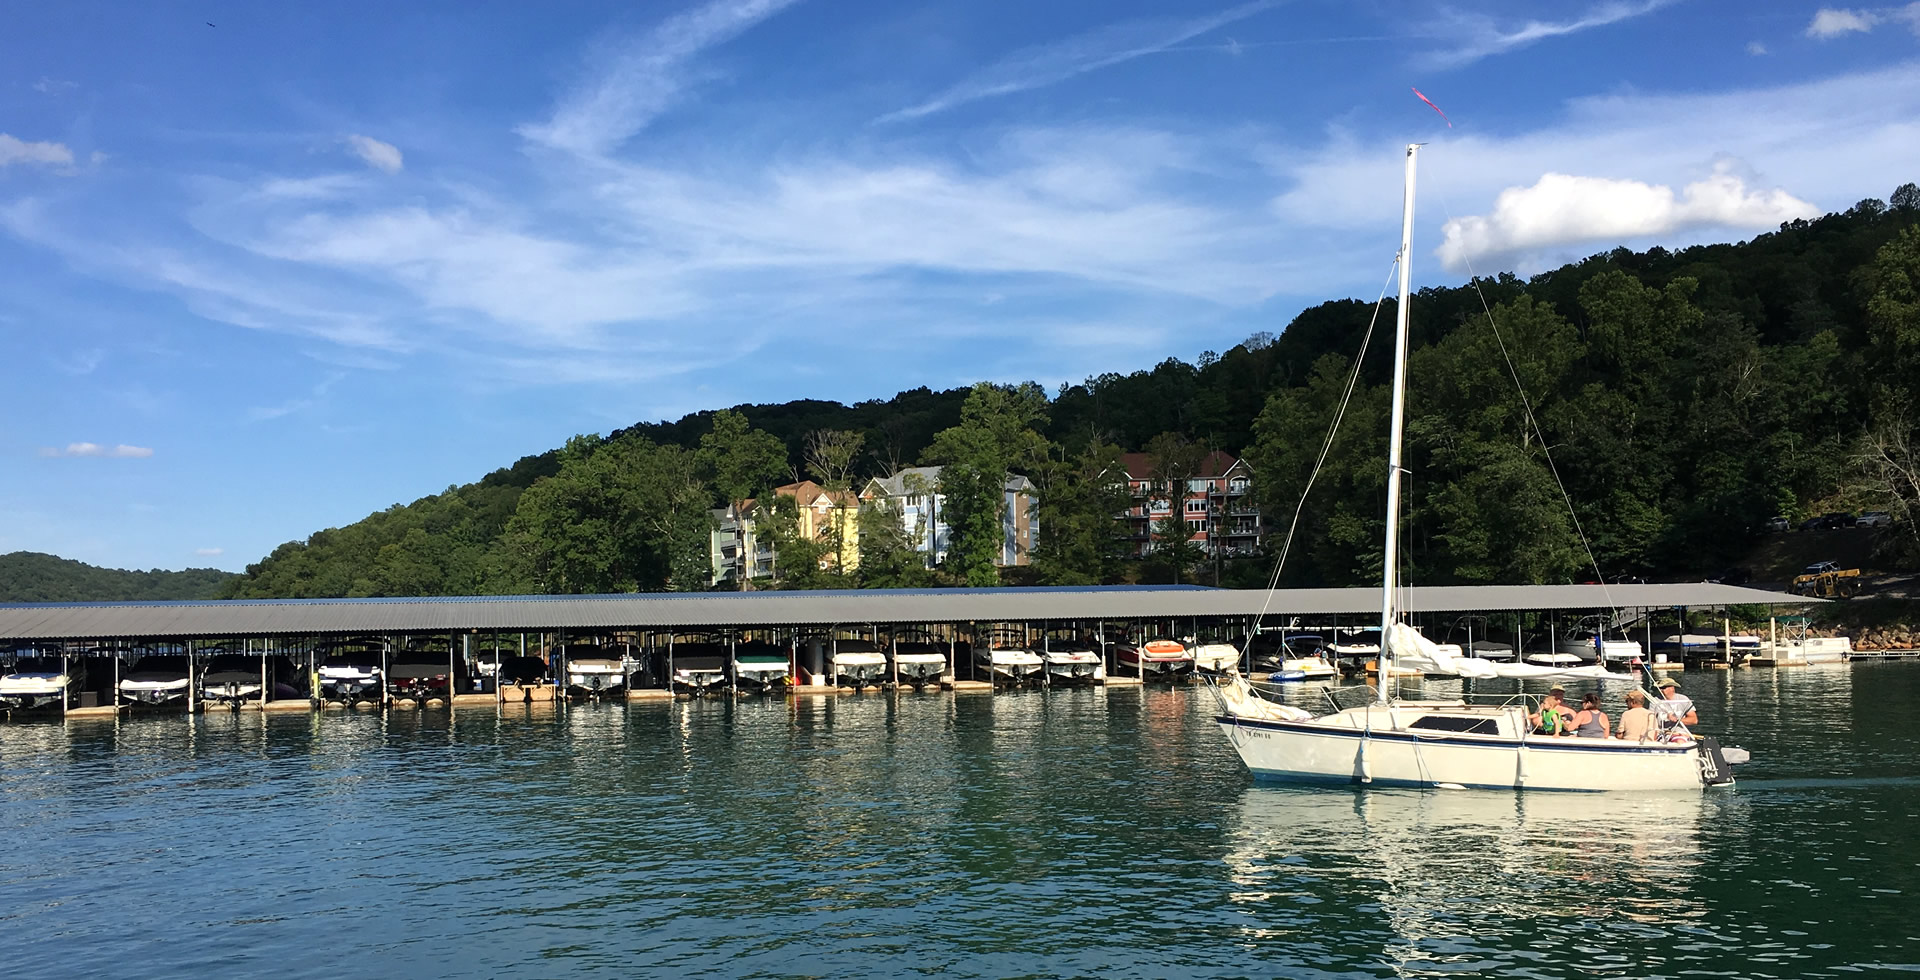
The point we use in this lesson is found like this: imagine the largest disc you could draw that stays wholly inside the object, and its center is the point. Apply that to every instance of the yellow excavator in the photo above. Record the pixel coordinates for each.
(1826, 581)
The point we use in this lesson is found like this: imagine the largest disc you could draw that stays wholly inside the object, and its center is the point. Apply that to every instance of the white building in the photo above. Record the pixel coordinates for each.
(915, 491)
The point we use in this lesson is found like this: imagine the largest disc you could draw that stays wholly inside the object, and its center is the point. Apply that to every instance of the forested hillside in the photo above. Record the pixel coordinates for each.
(1685, 397)
(28, 576)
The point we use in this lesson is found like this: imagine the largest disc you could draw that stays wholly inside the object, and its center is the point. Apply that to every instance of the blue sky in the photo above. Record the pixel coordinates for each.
(266, 268)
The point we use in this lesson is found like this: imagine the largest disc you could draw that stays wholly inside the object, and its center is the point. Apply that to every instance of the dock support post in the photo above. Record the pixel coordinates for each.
(66, 671)
(733, 662)
(669, 663)
(116, 683)
(193, 681)
(385, 679)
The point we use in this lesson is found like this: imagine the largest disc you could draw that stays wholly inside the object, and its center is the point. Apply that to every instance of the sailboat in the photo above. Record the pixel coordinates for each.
(1446, 743)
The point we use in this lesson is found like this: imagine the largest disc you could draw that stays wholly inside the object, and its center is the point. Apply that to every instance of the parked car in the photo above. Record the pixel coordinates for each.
(1821, 566)
(1733, 576)
(1815, 524)
(1838, 518)
(1778, 524)
(1874, 518)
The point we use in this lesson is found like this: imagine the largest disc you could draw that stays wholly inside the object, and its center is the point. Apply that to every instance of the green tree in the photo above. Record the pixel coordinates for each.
(888, 556)
(996, 435)
(1081, 499)
(741, 463)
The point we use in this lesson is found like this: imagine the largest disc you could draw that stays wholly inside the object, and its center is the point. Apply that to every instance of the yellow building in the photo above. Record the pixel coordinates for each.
(825, 514)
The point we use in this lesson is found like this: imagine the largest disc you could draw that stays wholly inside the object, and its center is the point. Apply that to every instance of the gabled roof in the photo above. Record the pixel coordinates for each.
(895, 485)
(1213, 465)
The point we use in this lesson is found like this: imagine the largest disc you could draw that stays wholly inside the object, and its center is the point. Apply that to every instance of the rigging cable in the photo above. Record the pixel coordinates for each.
(1526, 405)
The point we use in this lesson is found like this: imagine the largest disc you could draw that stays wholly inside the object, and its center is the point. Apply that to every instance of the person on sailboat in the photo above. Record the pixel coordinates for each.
(1674, 710)
(1636, 721)
(1554, 717)
(1590, 721)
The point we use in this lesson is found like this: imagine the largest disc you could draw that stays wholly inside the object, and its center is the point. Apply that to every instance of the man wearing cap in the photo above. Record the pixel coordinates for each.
(1674, 709)
(1554, 717)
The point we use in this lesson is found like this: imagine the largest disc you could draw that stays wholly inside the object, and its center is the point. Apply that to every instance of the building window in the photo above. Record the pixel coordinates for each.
(1196, 506)
(1195, 525)
(1162, 506)
(1199, 486)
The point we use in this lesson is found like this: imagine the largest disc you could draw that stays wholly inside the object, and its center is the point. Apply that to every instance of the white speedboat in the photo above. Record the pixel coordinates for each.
(1594, 649)
(856, 663)
(1491, 650)
(1068, 658)
(350, 672)
(596, 670)
(34, 682)
(919, 658)
(761, 667)
(1008, 659)
(1214, 656)
(156, 679)
(1159, 658)
(1445, 743)
(699, 667)
(1814, 650)
(230, 680)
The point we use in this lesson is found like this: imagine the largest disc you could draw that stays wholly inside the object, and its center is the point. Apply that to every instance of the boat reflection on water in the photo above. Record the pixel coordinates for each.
(1452, 873)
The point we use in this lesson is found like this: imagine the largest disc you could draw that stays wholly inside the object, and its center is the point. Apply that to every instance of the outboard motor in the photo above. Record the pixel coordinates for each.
(1715, 767)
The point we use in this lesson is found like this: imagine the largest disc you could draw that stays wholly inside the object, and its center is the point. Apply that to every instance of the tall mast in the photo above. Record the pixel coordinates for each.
(1392, 551)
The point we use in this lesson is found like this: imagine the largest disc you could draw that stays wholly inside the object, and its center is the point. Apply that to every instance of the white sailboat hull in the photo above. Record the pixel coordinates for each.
(1363, 746)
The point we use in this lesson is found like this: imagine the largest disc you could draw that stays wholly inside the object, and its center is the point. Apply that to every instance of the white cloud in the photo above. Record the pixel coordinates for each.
(643, 81)
(1756, 49)
(209, 552)
(1479, 37)
(1830, 22)
(54, 86)
(1047, 64)
(122, 451)
(1831, 141)
(14, 150)
(1559, 209)
(376, 154)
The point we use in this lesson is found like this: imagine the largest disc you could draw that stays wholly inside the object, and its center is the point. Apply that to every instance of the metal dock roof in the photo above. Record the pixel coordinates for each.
(440, 614)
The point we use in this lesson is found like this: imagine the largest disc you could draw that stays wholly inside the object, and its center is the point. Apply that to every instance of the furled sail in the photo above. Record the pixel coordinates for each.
(1414, 651)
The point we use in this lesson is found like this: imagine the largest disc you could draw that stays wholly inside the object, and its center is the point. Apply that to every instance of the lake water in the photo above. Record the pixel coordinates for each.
(1089, 833)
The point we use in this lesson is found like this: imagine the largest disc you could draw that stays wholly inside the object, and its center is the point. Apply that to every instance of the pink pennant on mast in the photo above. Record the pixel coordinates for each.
(1430, 105)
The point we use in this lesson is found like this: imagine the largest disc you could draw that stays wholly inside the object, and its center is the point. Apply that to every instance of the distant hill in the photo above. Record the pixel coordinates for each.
(29, 576)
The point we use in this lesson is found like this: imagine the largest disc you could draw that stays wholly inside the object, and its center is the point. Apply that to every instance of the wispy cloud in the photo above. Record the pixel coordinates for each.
(1479, 36)
(645, 78)
(54, 86)
(209, 552)
(90, 449)
(263, 413)
(1832, 22)
(1046, 64)
(15, 150)
(1756, 48)
(376, 154)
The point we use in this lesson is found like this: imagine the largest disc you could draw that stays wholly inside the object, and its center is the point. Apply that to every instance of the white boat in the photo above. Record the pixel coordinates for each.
(597, 670)
(1214, 656)
(1069, 659)
(1592, 649)
(1444, 743)
(1160, 657)
(918, 658)
(698, 667)
(1007, 658)
(1297, 657)
(1490, 650)
(350, 671)
(857, 663)
(34, 682)
(761, 667)
(156, 679)
(1815, 650)
(230, 679)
